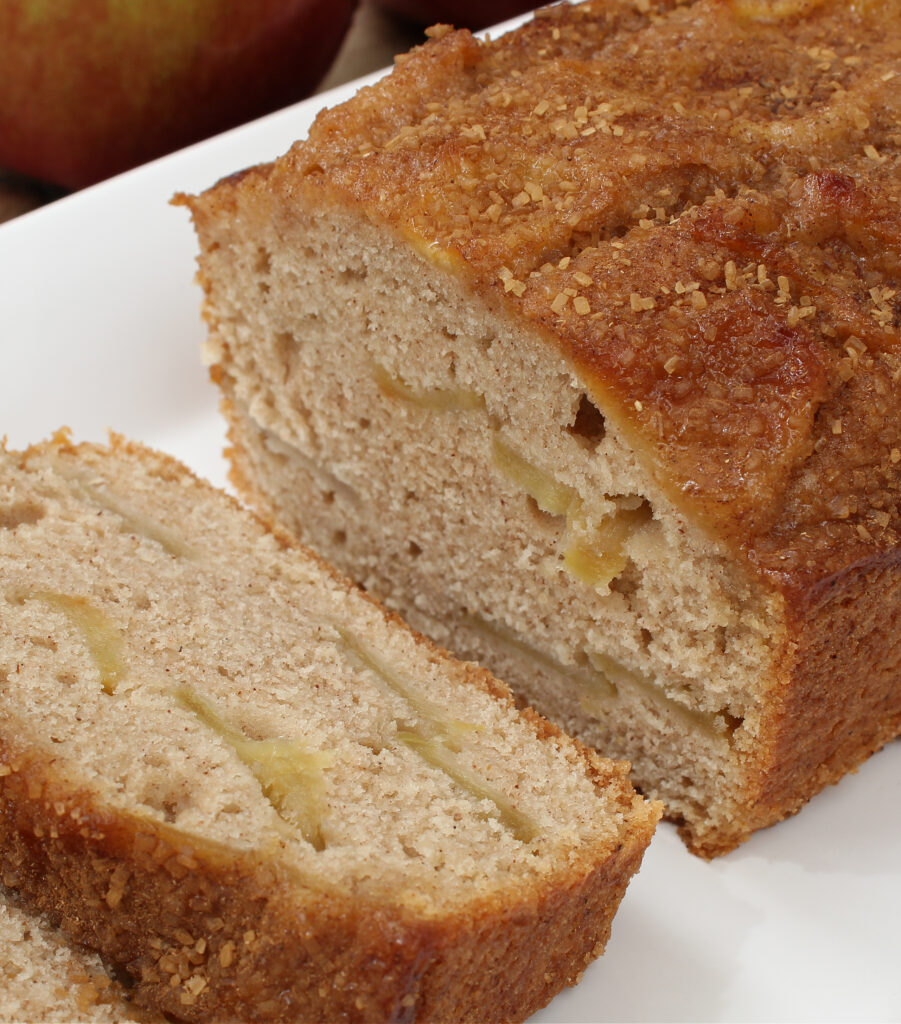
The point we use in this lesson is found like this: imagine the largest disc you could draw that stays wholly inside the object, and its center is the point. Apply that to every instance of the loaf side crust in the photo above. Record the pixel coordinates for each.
(842, 699)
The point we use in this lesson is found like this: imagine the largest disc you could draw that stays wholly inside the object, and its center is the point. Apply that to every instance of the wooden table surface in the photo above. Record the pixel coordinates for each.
(371, 43)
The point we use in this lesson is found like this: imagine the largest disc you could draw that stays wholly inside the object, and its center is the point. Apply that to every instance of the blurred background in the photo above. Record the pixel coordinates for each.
(89, 88)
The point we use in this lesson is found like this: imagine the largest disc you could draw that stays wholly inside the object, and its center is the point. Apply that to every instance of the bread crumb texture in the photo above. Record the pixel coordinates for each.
(43, 980)
(234, 776)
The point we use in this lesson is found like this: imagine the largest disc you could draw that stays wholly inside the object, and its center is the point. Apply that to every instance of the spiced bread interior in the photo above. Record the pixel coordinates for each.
(45, 980)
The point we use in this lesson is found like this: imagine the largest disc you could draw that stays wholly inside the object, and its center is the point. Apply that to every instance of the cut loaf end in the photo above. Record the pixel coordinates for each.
(231, 774)
(594, 390)
(424, 462)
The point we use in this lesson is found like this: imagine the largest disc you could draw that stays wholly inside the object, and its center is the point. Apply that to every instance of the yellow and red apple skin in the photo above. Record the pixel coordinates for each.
(471, 14)
(89, 88)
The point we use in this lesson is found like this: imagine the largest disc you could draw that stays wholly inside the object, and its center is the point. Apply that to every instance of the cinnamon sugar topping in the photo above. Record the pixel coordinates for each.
(718, 180)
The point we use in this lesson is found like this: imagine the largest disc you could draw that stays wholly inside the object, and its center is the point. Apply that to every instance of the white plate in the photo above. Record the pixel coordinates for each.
(100, 327)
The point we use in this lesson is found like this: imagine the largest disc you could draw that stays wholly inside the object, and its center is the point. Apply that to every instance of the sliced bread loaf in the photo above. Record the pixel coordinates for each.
(580, 346)
(230, 773)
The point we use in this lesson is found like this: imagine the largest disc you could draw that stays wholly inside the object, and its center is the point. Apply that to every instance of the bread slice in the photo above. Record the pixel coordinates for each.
(580, 347)
(42, 979)
(229, 772)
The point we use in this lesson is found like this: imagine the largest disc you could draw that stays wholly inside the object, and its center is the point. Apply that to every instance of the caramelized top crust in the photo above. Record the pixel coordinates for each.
(700, 204)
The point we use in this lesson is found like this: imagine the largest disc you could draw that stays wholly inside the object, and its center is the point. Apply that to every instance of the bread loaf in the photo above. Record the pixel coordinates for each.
(230, 773)
(580, 347)
(44, 980)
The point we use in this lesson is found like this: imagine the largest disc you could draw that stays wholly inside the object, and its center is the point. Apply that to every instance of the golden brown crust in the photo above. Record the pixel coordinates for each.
(700, 205)
(145, 896)
(778, 429)
(242, 945)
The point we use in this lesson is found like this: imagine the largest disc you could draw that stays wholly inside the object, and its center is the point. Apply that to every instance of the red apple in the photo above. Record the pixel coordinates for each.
(472, 14)
(92, 87)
